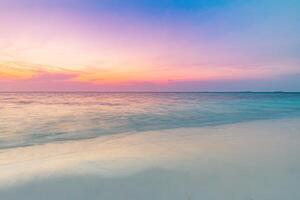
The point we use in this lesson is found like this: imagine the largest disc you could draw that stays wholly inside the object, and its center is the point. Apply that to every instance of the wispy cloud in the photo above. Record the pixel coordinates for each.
(116, 44)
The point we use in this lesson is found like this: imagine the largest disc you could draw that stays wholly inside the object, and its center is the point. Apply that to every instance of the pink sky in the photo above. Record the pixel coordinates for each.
(107, 47)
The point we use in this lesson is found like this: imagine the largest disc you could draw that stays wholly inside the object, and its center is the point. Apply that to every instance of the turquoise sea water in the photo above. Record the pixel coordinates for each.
(38, 118)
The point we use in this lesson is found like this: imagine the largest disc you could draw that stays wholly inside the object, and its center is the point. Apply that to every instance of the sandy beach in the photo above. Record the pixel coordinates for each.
(251, 160)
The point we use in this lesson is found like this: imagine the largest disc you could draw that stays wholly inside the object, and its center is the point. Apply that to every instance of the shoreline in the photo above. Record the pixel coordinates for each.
(228, 124)
(244, 154)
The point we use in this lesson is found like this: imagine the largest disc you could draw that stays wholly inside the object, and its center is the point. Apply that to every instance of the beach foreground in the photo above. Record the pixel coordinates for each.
(250, 160)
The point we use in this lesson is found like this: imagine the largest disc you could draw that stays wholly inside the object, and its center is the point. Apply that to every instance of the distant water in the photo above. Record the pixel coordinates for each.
(37, 118)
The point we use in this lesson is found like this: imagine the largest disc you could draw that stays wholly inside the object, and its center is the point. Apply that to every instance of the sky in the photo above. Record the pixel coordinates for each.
(149, 45)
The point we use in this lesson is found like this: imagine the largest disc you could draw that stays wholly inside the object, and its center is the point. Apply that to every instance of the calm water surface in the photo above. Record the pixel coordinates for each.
(37, 118)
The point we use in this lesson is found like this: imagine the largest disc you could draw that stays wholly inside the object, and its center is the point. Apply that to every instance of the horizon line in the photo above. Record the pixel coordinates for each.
(95, 91)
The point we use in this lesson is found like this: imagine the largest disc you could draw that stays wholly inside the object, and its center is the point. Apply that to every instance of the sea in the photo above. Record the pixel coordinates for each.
(32, 118)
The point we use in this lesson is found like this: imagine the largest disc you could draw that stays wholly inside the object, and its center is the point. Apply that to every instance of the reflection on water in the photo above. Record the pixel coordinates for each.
(37, 118)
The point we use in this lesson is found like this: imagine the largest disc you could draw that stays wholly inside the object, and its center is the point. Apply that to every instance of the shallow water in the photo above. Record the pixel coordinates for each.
(38, 118)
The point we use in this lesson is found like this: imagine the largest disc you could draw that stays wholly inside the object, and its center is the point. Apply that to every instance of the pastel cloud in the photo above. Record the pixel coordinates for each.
(111, 44)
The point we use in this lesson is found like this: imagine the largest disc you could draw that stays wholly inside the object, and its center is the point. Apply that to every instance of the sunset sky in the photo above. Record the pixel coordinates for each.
(149, 45)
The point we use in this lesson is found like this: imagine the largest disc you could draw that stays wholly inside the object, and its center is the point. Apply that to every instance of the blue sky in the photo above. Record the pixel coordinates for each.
(150, 45)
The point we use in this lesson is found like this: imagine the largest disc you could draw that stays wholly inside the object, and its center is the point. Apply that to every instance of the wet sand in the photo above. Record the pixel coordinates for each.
(251, 160)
